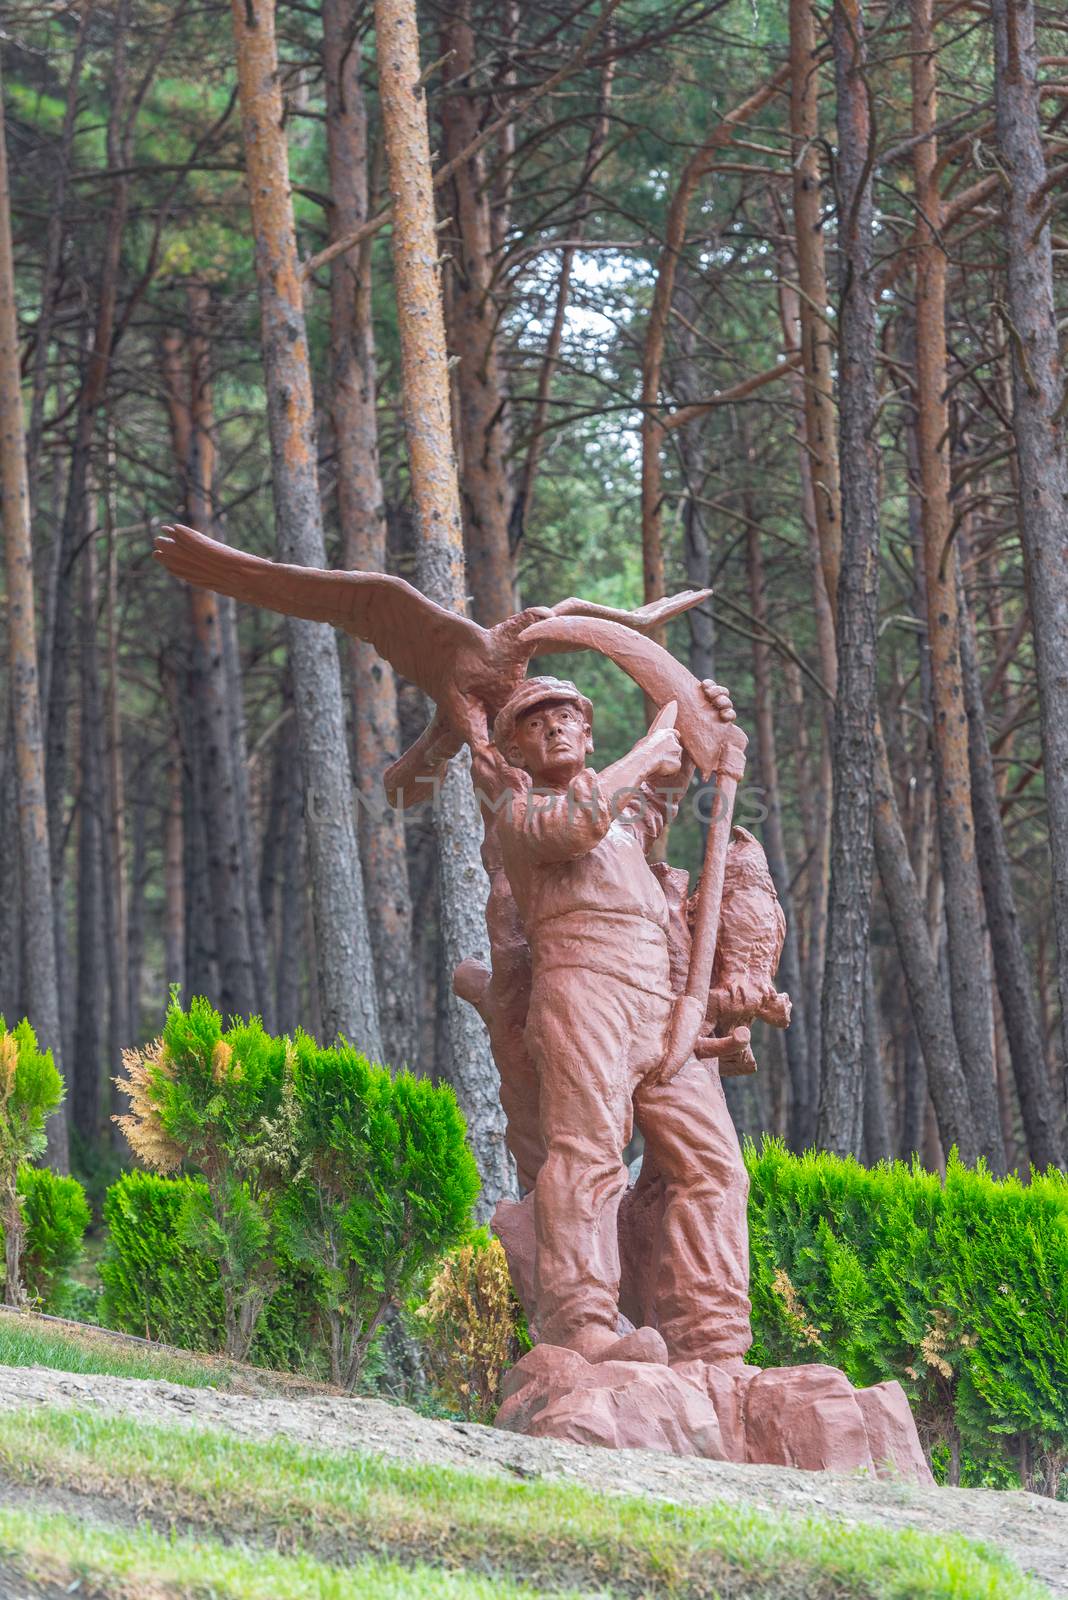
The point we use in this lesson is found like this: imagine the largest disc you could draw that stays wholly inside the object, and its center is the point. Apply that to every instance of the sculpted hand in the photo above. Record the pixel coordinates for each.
(663, 749)
(719, 699)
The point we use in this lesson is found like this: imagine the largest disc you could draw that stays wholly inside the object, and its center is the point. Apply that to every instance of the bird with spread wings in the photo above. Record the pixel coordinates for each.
(447, 655)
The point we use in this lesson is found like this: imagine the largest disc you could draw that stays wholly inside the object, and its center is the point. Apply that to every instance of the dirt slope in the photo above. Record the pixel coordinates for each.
(1033, 1530)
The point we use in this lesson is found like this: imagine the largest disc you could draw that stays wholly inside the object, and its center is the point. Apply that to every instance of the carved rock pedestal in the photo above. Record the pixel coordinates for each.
(809, 1417)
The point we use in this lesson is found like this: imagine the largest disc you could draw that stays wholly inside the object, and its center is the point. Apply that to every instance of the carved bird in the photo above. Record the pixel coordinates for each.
(450, 657)
(752, 929)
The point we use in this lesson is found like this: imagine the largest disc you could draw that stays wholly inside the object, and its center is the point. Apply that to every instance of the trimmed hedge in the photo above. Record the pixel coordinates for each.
(55, 1215)
(959, 1291)
(159, 1286)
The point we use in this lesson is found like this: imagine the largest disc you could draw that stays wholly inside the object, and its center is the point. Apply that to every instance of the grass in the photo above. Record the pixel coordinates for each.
(45, 1550)
(24, 1343)
(29, 1341)
(340, 1509)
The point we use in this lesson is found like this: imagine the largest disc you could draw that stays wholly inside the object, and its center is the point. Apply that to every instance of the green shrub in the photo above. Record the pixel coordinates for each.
(56, 1215)
(223, 1103)
(160, 1286)
(386, 1185)
(156, 1284)
(958, 1291)
(30, 1090)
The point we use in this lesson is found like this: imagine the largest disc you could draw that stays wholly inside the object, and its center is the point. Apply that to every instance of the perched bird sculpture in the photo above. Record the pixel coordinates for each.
(751, 933)
(447, 655)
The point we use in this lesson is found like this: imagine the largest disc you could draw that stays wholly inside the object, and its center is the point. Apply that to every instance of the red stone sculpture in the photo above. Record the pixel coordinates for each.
(613, 997)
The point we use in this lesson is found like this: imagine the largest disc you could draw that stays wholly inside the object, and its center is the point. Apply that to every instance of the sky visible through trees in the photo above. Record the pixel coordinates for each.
(762, 296)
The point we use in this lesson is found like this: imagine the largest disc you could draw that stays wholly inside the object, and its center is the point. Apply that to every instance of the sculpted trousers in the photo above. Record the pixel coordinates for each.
(595, 1039)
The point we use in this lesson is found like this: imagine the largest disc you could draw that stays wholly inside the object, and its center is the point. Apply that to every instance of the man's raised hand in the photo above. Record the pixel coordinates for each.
(719, 698)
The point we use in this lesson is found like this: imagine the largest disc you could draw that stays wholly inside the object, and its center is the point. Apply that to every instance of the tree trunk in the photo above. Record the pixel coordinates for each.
(969, 983)
(188, 381)
(346, 970)
(53, 254)
(74, 527)
(113, 833)
(1043, 1117)
(928, 999)
(363, 528)
(817, 340)
(173, 873)
(472, 328)
(35, 883)
(439, 555)
(839, 1126)
(817, 462)
(802, 1109)
(135, 928)
(1038, 393)
(91, 967)
(877, 1144)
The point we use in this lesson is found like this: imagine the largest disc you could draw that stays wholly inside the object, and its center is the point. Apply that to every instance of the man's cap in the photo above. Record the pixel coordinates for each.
(535, 692)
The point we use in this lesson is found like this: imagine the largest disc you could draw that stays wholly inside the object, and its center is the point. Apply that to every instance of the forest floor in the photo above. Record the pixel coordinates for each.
(36, 1403)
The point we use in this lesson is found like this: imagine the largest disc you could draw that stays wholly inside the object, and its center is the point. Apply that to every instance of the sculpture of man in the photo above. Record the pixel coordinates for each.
(574, 847)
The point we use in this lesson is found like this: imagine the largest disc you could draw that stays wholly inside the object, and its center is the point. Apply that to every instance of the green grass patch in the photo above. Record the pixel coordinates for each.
(342, 1508)
(25, 1343)
(49, 1552)
(30, 1341)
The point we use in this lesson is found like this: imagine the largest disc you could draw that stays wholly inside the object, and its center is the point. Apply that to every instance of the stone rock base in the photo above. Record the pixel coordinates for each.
(808, 1417)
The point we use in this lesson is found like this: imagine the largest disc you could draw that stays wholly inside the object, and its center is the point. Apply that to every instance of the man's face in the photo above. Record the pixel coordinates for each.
(551, 740)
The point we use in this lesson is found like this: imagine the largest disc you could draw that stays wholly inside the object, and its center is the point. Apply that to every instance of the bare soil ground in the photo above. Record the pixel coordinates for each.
(1032, 1530)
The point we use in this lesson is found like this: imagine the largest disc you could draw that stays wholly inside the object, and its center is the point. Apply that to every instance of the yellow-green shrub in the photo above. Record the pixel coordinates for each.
(471, 1329)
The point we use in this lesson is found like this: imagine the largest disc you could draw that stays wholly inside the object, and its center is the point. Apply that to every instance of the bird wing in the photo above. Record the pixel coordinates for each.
(416, 636)
(654, 615)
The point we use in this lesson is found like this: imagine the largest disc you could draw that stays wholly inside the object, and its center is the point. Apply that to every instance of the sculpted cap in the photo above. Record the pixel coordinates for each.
(535, 692)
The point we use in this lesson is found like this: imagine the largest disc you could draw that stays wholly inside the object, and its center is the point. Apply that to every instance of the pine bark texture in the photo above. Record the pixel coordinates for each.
(472, 323)
(1043, 1116)
(90, 966)
(1038, 423)
(187, 378)
(927, 994)
(439, 555)
(969, 984)
(840, 1121)
(795, 1042)
(35, 883)
(817, 344)
(361, 513)
(345, 967)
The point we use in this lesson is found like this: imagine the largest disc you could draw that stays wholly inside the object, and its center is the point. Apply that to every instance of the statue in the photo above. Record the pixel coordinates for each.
(613, 996)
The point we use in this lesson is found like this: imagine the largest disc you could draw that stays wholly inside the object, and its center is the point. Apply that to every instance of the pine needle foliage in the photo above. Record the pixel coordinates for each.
(31, 1088)
(386, 1185)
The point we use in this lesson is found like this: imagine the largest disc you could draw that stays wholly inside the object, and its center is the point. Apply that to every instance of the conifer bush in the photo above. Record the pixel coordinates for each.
(959, 1291)
(222, 1102)
(156, 1284)
(160, 1286)
(386, 1184)
(56, 1215)
(327, 1189)
(30, 1090)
